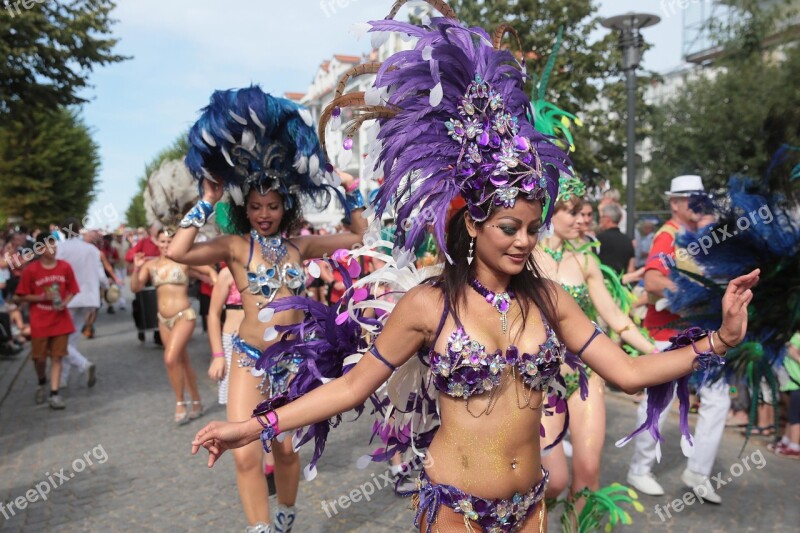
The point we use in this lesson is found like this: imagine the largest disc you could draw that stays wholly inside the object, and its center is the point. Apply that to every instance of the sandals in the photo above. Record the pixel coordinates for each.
(760, 431)
(195, 414)
(182, 418)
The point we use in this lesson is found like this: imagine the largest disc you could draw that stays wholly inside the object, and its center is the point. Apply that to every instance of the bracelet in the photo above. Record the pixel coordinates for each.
(705, 360)
(723, 341)
(270, 428)
(626, 328)
(197, 215)
(711, 341)
(218, 354)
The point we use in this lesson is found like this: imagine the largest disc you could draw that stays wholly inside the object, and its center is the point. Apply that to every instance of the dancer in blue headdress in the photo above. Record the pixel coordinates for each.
(263, 150)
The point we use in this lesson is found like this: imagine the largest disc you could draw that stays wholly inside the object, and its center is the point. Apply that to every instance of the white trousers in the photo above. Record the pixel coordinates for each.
(75, 358)
(714, 404)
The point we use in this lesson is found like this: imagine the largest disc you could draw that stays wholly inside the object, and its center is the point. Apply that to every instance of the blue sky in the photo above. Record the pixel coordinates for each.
(184, 49)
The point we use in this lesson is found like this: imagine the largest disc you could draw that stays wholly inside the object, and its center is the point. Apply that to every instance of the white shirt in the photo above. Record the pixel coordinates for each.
(89, 272)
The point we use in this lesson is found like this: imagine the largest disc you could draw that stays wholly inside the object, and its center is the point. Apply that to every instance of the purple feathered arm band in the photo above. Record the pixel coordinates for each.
(660, 396)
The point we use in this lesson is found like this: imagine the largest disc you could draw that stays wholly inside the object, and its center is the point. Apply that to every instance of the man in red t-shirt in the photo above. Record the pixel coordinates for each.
(48, 285)
(659, 321)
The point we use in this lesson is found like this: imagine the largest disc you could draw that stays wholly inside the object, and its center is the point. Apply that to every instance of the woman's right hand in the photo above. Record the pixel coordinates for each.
(216, 370)
(217, 437)
(212, 192)
(139, 260)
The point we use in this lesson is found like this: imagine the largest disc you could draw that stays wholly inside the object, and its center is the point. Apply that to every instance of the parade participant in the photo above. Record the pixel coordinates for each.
(492, 376)
(48, 285)
(579, 273)
(176, 320)
(85, 260)
(225, 300)
(661, 324)
(264, 150)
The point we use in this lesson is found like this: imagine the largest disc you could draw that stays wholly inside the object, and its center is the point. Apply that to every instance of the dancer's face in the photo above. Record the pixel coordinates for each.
(566, 221)
(163, 242)
(265, 212)
(505, 241)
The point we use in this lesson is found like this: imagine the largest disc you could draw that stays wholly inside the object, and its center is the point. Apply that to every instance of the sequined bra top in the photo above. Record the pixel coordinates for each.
(467, 368)
(580, 293)
(175, 276)
(267, 280)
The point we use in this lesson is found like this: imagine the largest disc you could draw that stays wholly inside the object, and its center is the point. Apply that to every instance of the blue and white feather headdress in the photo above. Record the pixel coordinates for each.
(248, 139)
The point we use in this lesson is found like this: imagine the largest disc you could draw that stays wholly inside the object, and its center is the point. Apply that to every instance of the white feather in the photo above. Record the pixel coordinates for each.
(208, 138)
(248, 140)
(372, 96)
(226, 155)
(254, 118)
(379, 38)
(426, 20)
(225, 133)
(256, 372)
(314, 270)
(270, 334)
(266, 314)
(427, 53)
(170, 191)
(359, 29)
(301, 164)
(363, 462)
(237, 118)
(336, 180)
(436, 95)
(305, 114)
(345, 156)
(313, 164)
(207, 175)
(687, 447)
(310, 473)
(236, 195)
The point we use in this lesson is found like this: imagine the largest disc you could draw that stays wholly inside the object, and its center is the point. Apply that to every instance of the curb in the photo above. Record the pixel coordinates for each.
(12, 368)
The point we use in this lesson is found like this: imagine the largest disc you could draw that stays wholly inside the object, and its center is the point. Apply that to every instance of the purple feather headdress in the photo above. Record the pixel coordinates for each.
(454, 120)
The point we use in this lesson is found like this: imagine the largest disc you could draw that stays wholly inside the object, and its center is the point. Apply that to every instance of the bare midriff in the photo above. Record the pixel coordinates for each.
(494, 455)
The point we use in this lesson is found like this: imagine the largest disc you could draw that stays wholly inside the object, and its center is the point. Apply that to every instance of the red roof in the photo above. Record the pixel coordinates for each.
(325, 65)
(348, 59)
(294, 96)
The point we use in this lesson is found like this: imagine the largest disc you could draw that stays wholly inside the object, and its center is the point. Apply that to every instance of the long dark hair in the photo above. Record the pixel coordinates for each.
(290, 222)
(529, 285)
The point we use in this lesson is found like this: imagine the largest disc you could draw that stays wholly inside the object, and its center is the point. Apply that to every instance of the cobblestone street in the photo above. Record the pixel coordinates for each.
(117, 462)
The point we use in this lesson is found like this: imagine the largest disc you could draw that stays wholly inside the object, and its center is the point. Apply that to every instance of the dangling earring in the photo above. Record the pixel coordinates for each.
(471, 245)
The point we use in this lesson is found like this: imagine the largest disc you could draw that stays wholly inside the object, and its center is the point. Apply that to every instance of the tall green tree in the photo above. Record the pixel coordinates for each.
(135, 214)
(586, 80)
(51, 49)
(735, 114)
(48, 167)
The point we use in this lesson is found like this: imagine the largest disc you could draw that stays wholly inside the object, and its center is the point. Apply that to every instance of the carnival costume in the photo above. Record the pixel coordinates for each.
(453, 121)
(739, 241)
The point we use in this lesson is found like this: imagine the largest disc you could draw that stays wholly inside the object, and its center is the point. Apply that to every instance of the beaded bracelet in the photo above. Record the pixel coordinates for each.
(197, 215)
(270, 428)
(707, 359)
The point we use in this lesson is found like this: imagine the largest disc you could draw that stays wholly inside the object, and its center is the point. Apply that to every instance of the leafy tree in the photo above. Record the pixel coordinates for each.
(48, 167)
(135, 214)
(732, 118)
(587, 72)
(51, 49)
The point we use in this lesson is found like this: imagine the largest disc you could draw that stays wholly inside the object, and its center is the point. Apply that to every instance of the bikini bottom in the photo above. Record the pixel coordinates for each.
(474, 513)
(277, 377)
(169, 322)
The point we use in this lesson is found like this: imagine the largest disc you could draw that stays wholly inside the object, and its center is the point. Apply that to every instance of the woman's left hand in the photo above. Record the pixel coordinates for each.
(734, 307)
(217, 437)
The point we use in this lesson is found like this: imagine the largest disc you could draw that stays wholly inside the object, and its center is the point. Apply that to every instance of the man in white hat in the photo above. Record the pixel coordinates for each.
(715, 401)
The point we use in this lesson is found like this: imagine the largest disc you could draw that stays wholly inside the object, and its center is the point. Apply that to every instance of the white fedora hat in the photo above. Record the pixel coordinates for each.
(685, 185)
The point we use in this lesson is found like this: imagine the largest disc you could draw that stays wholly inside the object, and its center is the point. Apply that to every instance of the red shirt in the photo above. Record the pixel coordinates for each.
(663, 243)
(147, 246)
(46, 321)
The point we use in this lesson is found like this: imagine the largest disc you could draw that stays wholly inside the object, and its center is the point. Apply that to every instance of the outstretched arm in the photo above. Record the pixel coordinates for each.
(633, 374)
(405, 332)
(618, 321)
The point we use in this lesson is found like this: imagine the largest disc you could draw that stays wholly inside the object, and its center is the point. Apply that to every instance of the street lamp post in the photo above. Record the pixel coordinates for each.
(631, 43)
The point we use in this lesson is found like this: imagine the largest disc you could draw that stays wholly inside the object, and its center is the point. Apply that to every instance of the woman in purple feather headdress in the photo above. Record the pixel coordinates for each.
(491, 330)
(264, 151)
